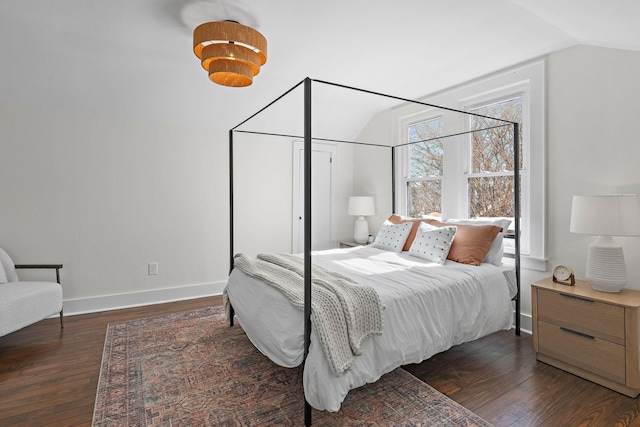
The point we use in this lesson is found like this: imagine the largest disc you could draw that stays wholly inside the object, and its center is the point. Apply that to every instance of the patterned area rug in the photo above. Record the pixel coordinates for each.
(192, 369)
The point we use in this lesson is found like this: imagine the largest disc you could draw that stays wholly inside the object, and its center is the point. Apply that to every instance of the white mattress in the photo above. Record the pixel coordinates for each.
(428, 309)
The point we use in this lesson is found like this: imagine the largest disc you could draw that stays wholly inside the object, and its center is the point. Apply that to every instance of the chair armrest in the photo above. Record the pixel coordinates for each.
(56, 266)
(38, 266)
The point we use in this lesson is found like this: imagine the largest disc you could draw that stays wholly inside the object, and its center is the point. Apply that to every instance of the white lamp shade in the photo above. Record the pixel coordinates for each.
(361, 206)
(611, 215)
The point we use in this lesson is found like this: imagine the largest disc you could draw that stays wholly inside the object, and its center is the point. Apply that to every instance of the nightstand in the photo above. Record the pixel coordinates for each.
(350, 244)
(588, 333)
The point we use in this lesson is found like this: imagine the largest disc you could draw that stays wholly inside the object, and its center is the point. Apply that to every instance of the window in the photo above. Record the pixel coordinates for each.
(471, 174)
(490, 180)
(424, 183)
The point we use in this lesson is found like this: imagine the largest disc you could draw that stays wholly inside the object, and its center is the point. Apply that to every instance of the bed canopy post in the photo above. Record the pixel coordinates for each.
(393, 179)
(516, 213)
(230, 200)
(307, 232)
(231, 237)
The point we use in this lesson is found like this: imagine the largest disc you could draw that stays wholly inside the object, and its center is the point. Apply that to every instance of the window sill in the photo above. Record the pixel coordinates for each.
(528, 262)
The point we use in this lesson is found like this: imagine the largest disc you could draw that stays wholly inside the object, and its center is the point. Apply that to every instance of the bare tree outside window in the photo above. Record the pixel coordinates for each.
(424, 184)
(491, 178)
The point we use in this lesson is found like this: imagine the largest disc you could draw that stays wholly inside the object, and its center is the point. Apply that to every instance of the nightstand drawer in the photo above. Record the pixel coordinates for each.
(595, 318)
(591, 354)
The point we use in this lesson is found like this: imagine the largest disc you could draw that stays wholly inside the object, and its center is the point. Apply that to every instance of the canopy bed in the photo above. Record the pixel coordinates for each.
(397, 305)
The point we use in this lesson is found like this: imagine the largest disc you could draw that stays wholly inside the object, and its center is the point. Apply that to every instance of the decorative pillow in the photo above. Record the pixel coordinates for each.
(471, 243)
(3, 275)
(392, 237)
(397, 219)
(432, 243)
(496, 251)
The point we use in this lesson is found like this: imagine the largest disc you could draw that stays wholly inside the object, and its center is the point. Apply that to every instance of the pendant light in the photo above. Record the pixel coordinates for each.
(230, 52)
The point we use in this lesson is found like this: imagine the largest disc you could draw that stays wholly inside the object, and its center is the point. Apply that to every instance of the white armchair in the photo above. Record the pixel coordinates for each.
(24, 303)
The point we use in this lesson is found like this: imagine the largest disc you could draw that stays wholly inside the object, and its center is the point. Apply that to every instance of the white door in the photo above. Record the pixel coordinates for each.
(323, 235)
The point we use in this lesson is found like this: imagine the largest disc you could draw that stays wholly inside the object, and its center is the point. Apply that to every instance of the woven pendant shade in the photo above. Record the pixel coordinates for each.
(232, 53)
(230, 73)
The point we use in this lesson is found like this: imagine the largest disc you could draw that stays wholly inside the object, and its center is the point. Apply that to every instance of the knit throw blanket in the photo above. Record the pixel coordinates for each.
(343, 313)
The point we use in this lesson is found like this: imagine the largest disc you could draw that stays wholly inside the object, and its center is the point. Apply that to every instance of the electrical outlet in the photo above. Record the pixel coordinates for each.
(152, 268)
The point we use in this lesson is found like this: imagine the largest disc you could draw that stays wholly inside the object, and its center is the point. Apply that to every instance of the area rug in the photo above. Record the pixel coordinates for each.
(192, 369)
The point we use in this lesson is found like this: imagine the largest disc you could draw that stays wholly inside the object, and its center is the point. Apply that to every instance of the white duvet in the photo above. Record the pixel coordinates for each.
(428, 309)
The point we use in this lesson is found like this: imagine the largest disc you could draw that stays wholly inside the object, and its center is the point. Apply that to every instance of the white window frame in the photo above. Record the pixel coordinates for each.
(527, 81)
(502, 94)
(403, 163)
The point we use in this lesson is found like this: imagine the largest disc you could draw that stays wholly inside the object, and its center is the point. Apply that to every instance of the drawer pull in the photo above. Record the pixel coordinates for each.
(577, 333)
(575, 297)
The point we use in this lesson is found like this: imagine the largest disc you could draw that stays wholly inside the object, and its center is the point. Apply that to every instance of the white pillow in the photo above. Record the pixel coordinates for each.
(496, 251)
(500, 222)
(3, 275)
(432, 243)
(391, 237)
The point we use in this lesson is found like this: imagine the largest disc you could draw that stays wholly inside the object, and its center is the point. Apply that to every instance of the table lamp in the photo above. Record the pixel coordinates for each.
(606, 216)
(361, 206)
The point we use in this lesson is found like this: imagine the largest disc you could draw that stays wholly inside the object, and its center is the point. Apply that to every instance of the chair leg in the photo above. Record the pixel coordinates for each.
(61, 320)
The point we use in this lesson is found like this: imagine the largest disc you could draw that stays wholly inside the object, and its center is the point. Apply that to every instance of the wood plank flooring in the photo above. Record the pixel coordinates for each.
(499, 378)
(49, 377)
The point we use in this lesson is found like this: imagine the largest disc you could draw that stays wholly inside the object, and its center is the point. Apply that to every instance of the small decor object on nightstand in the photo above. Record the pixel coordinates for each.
(564, 275)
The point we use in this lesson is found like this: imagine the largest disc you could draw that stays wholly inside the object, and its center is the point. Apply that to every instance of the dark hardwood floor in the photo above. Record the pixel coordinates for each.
(49, 377)
(499, 378)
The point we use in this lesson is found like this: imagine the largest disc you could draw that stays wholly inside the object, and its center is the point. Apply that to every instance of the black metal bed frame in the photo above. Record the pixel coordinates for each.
(308, 138)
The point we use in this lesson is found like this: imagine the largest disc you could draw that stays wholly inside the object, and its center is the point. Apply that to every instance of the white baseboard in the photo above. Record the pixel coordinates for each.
(137, 299)
(526, 323)
(159, 296)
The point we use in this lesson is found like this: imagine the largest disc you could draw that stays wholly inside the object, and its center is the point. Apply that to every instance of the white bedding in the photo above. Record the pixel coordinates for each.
(428, 309)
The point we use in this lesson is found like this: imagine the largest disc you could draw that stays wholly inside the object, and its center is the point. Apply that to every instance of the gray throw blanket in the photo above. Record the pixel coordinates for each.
(343, 313)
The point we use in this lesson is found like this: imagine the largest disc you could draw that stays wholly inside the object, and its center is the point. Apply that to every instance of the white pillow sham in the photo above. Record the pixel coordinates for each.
(499, 222)
(432, 243)
(391, 237)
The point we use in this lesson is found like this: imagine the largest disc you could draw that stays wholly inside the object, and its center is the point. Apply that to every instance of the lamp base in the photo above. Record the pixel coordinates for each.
(361, 230)
(606, 269)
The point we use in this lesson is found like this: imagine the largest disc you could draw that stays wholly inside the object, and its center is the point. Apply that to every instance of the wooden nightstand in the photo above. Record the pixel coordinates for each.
(592, 334)
(350, 244)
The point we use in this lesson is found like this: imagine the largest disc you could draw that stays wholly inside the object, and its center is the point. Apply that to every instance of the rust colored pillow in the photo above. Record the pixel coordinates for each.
(397, 219)
(471, 243)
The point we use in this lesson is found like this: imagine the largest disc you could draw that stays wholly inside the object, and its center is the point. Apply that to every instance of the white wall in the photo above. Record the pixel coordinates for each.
(344, 189)
(106, 196)
(372, 167)
(593, 146)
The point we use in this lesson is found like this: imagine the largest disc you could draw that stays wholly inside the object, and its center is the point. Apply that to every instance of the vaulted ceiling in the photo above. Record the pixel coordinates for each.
(134, 58)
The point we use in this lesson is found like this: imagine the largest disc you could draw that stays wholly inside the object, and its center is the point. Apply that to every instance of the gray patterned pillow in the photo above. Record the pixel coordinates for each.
(391, 237)
(432, 243)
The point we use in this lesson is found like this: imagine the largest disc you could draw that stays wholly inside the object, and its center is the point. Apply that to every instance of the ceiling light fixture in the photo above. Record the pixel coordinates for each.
(231, 53)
